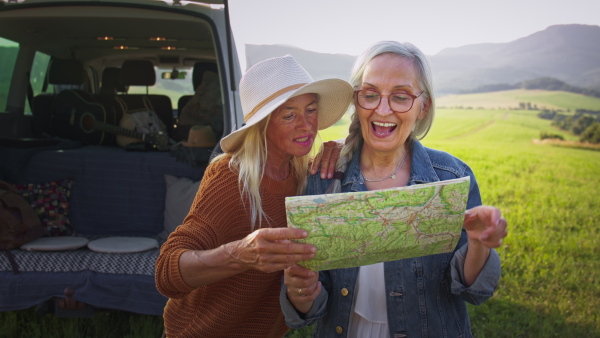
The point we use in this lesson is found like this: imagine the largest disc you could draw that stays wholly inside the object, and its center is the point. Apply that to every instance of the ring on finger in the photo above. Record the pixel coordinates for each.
(300, 292)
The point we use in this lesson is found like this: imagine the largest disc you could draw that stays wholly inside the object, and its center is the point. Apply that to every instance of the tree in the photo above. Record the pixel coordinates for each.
(581, 123)
(591, 134)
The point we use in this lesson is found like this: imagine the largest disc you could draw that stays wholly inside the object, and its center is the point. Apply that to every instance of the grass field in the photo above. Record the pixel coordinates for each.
(550, 284)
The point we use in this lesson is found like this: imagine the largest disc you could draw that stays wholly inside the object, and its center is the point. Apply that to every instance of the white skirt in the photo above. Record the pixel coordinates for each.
(362, 328)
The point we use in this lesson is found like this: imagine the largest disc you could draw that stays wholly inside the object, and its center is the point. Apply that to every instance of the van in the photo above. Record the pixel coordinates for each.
(79, 82)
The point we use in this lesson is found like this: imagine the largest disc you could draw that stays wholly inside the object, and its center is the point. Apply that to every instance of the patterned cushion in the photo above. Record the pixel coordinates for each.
(51, 202)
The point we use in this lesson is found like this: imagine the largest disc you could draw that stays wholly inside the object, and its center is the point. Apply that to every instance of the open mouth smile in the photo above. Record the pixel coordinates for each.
(383, 128)
(304, 141)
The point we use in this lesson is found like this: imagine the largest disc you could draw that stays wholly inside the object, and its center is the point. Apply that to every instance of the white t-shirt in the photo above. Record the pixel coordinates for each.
(369, 317)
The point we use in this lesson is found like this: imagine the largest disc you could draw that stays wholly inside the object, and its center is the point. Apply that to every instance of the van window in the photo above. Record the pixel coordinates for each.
(8, 57)
(37, 76)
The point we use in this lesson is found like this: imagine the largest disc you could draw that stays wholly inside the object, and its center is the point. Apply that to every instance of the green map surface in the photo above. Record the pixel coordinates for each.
(362, 228)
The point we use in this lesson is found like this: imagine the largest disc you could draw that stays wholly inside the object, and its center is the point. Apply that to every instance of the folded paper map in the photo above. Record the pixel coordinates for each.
(362, 228)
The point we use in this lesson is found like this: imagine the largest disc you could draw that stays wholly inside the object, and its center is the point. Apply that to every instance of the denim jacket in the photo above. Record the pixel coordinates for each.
(425, 295)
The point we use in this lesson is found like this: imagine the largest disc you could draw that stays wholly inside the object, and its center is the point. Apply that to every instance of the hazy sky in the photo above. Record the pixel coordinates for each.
(350, 26)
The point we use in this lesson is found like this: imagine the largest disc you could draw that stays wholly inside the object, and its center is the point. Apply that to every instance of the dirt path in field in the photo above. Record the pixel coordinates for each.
(572, 144)
(474, 131)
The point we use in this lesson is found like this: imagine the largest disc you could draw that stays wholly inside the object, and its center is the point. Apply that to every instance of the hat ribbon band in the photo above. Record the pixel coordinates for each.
(270, 98)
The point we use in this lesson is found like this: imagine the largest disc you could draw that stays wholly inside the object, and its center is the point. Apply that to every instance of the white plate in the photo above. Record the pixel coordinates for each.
(122, 244)
(58, 243)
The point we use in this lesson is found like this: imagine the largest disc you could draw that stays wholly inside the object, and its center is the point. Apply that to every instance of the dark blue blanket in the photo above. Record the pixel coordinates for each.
(114, 193)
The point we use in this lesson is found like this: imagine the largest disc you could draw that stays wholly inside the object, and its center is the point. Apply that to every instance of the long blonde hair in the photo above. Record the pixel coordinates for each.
(409, 52)
(249, 162)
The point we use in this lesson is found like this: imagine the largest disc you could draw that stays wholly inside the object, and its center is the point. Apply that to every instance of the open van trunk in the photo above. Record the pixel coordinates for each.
(71, 73)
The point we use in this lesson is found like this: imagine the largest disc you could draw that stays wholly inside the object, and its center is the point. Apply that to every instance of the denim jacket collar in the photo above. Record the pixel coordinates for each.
(421, 170)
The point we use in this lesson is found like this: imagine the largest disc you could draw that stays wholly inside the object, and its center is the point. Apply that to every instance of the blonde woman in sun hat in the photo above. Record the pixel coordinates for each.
(222, 268)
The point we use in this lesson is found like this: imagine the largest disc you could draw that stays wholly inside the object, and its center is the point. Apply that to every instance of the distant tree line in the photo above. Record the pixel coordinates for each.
(545, 135)
(527, 106)
(544, 83)
(584, 123)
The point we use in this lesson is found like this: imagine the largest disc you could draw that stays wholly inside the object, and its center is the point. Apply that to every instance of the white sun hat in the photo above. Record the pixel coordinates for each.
(268, 84)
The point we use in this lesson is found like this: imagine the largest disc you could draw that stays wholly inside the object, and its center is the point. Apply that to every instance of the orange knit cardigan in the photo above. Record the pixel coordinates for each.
(243, 305)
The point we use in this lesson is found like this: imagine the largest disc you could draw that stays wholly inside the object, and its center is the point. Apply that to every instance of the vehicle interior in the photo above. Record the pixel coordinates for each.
(99, 37)
(98, 105)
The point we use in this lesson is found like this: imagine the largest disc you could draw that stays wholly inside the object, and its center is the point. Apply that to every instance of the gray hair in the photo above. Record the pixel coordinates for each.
(407, 51)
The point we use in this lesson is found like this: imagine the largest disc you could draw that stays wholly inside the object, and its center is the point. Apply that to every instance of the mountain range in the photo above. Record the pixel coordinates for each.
(569, 53)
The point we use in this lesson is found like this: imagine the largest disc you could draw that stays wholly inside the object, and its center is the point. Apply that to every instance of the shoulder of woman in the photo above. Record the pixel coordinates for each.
(219, 189)
(315, 185)
(446, 161)
(220, 165)
(440, 155)
(220, 171)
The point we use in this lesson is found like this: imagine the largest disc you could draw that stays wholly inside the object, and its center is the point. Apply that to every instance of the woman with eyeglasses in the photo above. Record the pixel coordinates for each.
(415, 297)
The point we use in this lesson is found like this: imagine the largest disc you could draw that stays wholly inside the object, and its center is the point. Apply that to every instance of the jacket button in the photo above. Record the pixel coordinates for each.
(339, 329)
(344, 292)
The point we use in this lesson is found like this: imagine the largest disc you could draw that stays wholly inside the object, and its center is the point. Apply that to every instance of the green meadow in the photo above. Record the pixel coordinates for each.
(549, 196)
(550, 285)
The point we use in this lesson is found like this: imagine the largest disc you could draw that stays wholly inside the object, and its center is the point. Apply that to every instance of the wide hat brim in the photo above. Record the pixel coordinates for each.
(335, 95)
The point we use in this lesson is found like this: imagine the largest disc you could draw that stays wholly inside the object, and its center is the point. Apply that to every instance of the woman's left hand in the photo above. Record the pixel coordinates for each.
(303, 287)
(327, 158)
(486, 225)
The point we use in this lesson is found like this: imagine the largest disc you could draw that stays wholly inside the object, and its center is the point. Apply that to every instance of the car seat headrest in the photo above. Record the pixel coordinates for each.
(138, 73)
(111, 79)
(66, 71)
(199, 69)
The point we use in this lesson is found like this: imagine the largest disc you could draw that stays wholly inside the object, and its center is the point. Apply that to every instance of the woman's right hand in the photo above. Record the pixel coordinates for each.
(271, 249)
(303, 287)
(327, 158)
(267, 250)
